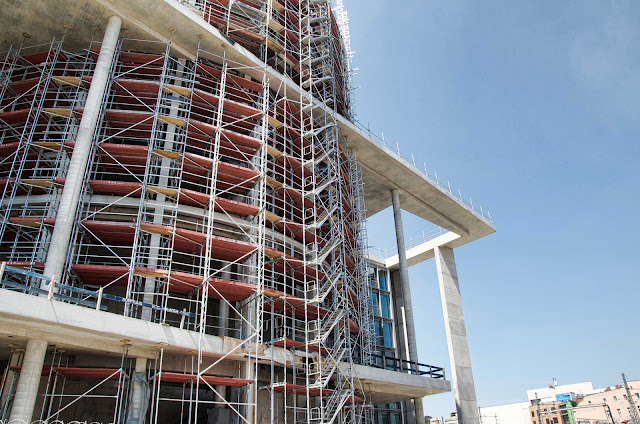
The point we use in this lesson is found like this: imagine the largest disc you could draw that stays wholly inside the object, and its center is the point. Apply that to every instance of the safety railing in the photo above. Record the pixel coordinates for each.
(386, 253)
(432, 177)
(401, 365)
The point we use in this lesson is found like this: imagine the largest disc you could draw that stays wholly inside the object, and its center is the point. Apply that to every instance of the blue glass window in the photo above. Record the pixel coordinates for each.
(378, 331)
(386, 333)
(382, 278)
(384, 303)
(374, 303)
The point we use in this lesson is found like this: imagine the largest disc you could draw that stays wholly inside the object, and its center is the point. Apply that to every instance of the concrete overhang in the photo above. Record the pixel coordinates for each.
(153, 20)
(387, 386)
(73, 326)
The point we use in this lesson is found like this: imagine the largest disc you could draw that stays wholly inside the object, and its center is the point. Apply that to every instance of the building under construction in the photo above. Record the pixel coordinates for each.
(182, 225)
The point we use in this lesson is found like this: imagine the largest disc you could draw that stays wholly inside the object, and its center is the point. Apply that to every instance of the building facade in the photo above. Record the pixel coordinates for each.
(612, 403)
(182, 226)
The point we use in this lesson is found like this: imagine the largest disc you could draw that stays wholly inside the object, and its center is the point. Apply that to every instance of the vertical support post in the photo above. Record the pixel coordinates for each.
(29, 381)
(223, 323)
(406, 297)
(73, 186)
(249, 312)
(461, 372)
(140, 396)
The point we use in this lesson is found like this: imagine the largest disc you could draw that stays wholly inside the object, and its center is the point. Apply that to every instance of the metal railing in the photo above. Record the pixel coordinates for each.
(387, 252)
(433, 178)
(401, 365)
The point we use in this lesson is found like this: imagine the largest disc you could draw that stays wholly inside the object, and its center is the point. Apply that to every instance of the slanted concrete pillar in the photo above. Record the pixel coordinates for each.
(140, 395)
(461, 372)
(418, 414)
(77, 166)
(29, 381)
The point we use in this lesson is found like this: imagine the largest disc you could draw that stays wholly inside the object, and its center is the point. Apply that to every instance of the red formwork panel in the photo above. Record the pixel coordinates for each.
(177, 281)
(18, 116)
(287, 302)
(102, 373)
(299, 390)
(232, 177)
(292, 228)
(26, 264)
(28, 220)
(174, 377)
(226, 134)
(137, 85)
(222, 248)
(26, 85)
(294, 164)
(297, 197)
(74, 372)
(185, 196)
(245, 84)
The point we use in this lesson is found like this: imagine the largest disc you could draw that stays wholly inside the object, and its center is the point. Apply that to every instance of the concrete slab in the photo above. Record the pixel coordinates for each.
(390, 386)
(23, 317)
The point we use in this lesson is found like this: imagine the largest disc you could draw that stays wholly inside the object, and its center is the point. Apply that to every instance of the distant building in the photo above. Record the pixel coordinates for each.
(613, 399)
(510, 413)
(564, 392)
(554, 412)
(578, 403)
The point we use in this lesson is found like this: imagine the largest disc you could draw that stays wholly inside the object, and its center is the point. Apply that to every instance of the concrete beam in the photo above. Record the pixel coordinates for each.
(420, 253)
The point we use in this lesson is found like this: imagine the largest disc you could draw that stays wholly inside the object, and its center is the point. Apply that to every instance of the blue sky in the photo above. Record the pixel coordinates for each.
(533, 109)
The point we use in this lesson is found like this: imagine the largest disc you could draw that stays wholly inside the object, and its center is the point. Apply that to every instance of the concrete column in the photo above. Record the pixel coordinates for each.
(418, 416)
(223, 324)
(71, 193)
(461, 372)
(29, 381)
(223, 310)
(250, 399)
(140, 394)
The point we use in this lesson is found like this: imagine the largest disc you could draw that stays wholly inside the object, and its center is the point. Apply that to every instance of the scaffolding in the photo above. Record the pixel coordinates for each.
(212, 202)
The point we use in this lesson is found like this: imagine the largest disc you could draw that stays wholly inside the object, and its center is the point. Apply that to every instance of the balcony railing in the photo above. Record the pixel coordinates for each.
(401, 365)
